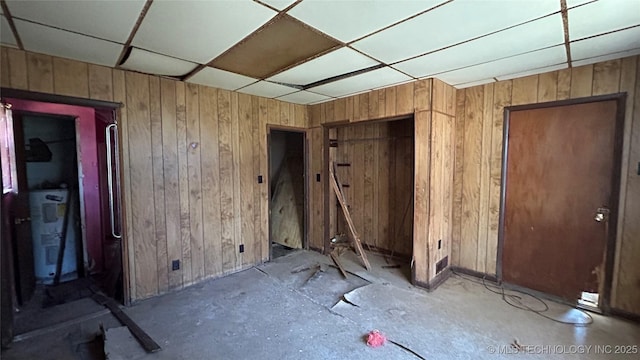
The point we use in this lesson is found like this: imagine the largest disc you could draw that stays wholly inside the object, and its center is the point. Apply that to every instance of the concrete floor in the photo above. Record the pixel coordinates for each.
(268, 312)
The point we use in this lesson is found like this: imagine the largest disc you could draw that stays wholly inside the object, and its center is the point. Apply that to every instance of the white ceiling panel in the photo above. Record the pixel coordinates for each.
(449, 24)
(351, 20)
(278, 4)
(520, 63)
(606, 44)
(341, 61)
(220, 79)
(602, 16)
(363, 82)
(6, 35)
(152, 63)
(51, 41)
(303, 97)
(531, 36)
(533, 71)
(110, 20)
(267, 89)
(574, 3)
(617, 55)
(199, 31)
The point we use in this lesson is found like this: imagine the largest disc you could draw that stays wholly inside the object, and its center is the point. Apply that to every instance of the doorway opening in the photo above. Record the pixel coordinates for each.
(62, 213)
(560, 197)
(287, 192)
(374, 164)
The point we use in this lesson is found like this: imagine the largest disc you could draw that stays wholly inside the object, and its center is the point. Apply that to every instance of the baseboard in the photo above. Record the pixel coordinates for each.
(625, 315)
(476, 274)
(434, 283)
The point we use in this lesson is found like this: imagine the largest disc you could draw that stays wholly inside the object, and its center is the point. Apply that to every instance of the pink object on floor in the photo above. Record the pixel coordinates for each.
(376, 339)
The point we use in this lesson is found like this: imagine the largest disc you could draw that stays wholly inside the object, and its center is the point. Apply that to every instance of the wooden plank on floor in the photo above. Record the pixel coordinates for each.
(145, 340)
(70, 77)
(195, 182)
(336, 261)
(171, 180)
(209, 160)
(157, 158)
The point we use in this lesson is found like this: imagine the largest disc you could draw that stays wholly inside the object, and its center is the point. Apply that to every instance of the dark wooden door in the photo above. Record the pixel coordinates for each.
(23, 243)
(560, 164)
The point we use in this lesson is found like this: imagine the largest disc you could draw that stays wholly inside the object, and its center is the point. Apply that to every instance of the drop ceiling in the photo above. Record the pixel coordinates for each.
(310, 51)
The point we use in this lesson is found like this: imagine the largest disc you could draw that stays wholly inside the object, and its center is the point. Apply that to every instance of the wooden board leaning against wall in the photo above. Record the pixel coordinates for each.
(190, 164)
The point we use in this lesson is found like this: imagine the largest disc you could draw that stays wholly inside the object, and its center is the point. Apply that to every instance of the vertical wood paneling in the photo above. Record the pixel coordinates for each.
(209, 161)
(141, 172)
(100, 83)
(471, 175)
(257, 188)
(458, 178)
(18, 69)
(422, 95)
(581, 81)
(246, 145)
(547, 86)
(157, 158)
(183, 182)
(70, 78)
(339, 109)
(606, 77)
(422, 131)
(404, 98)
(263, 118)
(525, 90)
(171, 180)
(40, 68)
(436, 206)
(195, 183)
(564, 84)
(5, 77)
(485, 176)
(226, 181)
(390, 101)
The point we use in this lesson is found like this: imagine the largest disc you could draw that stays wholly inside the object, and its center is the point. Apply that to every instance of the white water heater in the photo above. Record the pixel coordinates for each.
(48, 210)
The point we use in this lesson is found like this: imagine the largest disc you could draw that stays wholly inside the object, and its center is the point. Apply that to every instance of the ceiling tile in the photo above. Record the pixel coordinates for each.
(273, 48)
(267, 89)
(220, 79)
(520, 63)
(574, 3)
(350, 20)
(370, 80)
(531, 36)
(617, 55)
(110, 20)
(199, 31)
(278, 4)
(51, 41)
(475, 83)
(6, 35)
(533, 72)
(606, 44)
(338, 62)
(433, 30)
(152, 63)
(602, 16)
(303, 97)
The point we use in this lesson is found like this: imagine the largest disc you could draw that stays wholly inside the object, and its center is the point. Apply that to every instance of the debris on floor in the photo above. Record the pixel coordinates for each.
(376, 338)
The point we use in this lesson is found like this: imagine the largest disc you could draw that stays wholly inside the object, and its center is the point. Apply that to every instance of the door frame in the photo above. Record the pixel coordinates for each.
(267, 181)
(610, 247)
(94, 104)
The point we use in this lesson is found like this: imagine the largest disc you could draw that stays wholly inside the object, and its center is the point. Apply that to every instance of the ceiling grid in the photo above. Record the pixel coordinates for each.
(310, 51)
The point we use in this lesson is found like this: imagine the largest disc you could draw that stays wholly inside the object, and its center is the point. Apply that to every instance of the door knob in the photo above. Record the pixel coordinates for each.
(602, 214)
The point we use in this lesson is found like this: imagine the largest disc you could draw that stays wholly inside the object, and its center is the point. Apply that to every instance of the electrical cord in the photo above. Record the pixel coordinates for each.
(515, 299)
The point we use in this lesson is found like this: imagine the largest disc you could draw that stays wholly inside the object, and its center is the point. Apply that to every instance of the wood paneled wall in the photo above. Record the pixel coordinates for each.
(190, 159)
(378, 183)
(432, 103)
(479, 125)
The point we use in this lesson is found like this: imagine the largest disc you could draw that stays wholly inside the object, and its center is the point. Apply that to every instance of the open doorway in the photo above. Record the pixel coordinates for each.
(287, 229)
(374, 164)
(62, 213)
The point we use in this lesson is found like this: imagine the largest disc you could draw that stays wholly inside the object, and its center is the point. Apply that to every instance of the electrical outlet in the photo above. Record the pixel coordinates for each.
(259, 179)
(241, 248)
(175, 265)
